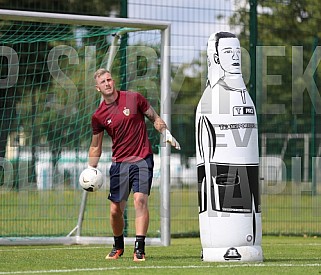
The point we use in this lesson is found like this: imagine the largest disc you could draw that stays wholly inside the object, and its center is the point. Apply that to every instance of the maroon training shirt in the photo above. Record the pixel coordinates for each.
(124, 122)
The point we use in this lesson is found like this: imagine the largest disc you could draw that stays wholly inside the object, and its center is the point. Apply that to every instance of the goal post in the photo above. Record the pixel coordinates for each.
(45, 125)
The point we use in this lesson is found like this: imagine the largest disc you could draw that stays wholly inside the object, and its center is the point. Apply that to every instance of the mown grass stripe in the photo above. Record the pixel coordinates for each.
(159, 267)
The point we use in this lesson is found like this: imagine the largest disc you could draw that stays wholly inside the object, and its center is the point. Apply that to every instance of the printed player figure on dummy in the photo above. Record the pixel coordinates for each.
(227, 159)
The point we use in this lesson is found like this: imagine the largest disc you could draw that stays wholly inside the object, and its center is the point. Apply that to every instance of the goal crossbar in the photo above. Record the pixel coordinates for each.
(74, 19)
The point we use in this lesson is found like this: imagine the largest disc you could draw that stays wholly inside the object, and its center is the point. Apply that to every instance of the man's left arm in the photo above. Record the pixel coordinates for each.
(161, 127)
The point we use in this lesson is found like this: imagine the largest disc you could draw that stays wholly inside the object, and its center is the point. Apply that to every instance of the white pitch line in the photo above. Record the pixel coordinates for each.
(157, 267)
(53, 248)
(268, 265)
(100, 269)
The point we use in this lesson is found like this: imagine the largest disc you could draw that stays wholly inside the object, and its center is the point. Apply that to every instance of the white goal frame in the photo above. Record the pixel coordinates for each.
(74, 237)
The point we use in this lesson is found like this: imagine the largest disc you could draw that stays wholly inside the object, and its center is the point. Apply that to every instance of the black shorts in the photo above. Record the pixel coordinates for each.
(127, 176)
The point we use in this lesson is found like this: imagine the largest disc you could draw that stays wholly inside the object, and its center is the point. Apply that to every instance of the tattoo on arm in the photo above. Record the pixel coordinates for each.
(151, 114)
(158, 122)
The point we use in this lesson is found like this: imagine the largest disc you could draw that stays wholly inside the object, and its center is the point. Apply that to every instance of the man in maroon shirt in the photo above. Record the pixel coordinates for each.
(122, 115)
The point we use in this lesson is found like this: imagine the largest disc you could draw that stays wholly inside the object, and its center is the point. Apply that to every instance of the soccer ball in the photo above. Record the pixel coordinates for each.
(91, 179)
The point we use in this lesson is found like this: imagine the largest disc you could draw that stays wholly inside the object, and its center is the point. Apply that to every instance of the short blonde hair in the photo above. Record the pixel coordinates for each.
(100, 72)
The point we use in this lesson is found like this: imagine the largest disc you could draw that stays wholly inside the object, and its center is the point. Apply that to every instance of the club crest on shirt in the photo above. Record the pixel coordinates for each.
(126, 111)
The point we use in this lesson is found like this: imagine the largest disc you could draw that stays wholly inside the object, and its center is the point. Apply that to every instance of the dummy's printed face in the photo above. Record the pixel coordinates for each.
(229, 54)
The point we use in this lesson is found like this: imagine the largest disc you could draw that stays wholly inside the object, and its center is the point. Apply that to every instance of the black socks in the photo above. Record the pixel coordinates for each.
(119, 241)
(140, 243)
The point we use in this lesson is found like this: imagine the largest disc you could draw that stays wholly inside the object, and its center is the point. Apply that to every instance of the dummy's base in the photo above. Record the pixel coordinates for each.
(233, 254)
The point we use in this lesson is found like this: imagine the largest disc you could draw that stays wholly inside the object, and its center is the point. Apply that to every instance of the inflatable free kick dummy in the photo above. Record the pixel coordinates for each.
(227, 159)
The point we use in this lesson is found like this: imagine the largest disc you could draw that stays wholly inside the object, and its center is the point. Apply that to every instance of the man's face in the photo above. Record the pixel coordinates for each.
(229, 54)
(105, 84)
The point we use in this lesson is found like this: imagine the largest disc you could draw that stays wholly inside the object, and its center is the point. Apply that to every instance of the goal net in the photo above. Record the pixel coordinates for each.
(47, 62)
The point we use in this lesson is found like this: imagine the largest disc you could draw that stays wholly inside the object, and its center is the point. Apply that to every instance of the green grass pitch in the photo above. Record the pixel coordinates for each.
(286, 255)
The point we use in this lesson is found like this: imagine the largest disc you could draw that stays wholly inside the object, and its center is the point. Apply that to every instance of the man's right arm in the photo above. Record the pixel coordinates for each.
(95, 149)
